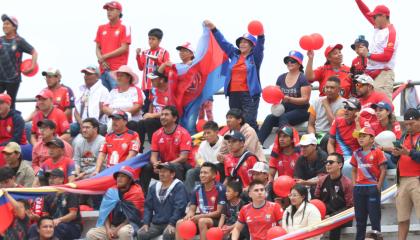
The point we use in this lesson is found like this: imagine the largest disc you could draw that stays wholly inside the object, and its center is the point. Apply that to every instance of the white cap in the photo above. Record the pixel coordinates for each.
(365, 79)
(308, 139)
(260, 167)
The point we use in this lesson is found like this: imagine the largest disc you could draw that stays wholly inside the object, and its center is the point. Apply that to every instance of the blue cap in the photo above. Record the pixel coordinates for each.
(360, 40)
(236, 135)
(248, 37)
(296, 55)
(383, 105)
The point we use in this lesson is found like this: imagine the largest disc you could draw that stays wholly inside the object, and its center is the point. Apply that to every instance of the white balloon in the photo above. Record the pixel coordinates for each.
(385, 139)
(277, 109)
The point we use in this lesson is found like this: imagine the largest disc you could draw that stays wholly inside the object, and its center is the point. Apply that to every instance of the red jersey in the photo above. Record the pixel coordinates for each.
(396, 129)
(207, 201)
(260, 220)
(406, 165)
(322, 74)
(111, 38)
(57, 116)
(65, 164)
(284, 164)
(374, 98)
(342, 133)
(170, 145)
(148, 61)
(358, 65)
(62, 98)
(12, 128)
(231, 162)
(368, 165)
(159, 99)
(117, 146)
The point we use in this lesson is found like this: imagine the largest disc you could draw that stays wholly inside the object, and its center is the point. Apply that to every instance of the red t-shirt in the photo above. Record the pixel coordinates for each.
(260, 220)
(65, 164)
(61, 98)
(8, 128)
(159, 99)
(342, 133)
(57, 116)
(407, 166)
(322, 74)
(169, 146)
(117, 146)
(375, 97)
(368, 165)
(396, 129)
(284, 164)
(110, 38)
(243, 174)
(238, 80)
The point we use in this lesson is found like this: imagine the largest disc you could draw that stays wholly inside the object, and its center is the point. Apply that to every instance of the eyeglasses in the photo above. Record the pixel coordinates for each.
(330, 162)
(349, 108)
(359, 85)
(290, 60)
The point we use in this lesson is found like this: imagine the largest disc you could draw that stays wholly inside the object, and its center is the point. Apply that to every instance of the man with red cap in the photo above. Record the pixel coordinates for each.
(333, 67)
(382, 51)
(46, 110)
(11, 48)
(112, 44)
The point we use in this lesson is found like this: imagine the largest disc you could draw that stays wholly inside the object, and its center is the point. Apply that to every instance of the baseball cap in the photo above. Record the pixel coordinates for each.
(365, 130)
(91, 69)
(12, 147)
(126, 170)
(296, 55)
(360, 40)
(308, 139)
(330, 48)
(411, 114)
(57, 172)
(364, 79)
(11, 19)
(156, 74)
(5, 98)
(353, 103)
(56, 142)
(119, 115)
(51, 72)
(383, 105)
(46, 123)
(380, 9)
(45, 93)
(236, 135)
(287, 130)
(259, 167)
(113, 4)
(167, 165)
(248, 37)
(186, 45)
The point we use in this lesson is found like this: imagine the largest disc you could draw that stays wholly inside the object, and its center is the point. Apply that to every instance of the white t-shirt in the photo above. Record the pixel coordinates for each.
(88, 100)
(122, 100)
(378, 44)
(208, 153)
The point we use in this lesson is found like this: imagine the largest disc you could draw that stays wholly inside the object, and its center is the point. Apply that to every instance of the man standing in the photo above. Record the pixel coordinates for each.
(408, 171)
(121, 210)
(112, 43)
(165, 205)
(24, 173)
(11, 48)
(335, 190)
(382, 50)
(121, 144)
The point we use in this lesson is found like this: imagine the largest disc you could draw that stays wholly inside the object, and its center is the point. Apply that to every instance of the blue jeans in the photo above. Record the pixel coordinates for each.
(108, 81)
(367, 202)
(248, 104)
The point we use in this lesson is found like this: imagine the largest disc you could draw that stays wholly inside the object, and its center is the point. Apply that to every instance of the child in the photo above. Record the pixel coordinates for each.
(20, 224)
(149, 60)
(358, 65)
(369, 165)
(231, 209)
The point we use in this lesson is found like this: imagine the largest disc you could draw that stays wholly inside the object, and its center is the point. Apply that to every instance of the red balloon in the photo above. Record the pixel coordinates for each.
(272, 94)
(85, 208)
(187, 229)
(255, 28)
(321, 207)
(275, 232)
(306, 42)
(282, 185)
(27, 64)
(214, 233)
(318, 41)
(200, 124)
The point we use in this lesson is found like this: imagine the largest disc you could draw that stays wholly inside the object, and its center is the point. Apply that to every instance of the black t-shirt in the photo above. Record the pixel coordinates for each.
(332, 194)
(294, 91)
(59, 205)
(11, 57)
(305, 169)
(231, 212)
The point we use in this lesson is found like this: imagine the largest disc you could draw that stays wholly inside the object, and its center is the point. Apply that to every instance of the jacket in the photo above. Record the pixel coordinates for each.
(301, 218)
(253, 62)
(336, 203)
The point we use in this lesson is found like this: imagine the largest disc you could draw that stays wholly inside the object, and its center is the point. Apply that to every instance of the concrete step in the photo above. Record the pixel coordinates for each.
(388, 232)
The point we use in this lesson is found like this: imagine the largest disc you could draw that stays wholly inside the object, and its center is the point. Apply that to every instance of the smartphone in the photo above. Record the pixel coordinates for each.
(397, 144)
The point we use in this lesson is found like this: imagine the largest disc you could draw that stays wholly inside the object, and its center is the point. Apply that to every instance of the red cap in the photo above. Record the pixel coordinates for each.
(127, 170)
(5, 98)
(186, 45)
(113, 4)
(45, 93)
(365, 130)
(380, 9)
(332, 47)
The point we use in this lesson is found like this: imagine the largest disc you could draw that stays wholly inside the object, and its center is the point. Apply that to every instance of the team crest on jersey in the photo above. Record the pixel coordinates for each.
(292, 164)
(176, 141)
(280, 163)
(58, 99)
(161, 140)
(9, 128)
(342, 92)
(117, 33)
(14, 47)
(124, 146)
(268, 217)
(104, 32)
(371, 158)
(213, 199)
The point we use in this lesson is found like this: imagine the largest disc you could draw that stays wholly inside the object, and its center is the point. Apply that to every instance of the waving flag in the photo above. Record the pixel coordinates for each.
(197, 82)
(6, 213)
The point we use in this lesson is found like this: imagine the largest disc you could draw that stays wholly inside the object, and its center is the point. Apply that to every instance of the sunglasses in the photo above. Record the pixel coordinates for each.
(330, 162)
(349, 108)
(290, 60)
(359, 85)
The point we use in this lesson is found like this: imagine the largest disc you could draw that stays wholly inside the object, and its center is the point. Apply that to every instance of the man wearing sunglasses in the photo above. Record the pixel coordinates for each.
(367, 94)
(335, 190)
(381, 55)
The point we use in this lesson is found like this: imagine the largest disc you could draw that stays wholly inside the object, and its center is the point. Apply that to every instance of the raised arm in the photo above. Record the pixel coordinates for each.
(227, 47)
(365, 10)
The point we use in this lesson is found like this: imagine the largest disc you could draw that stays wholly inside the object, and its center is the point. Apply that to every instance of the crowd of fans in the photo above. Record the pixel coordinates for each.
(226, 181)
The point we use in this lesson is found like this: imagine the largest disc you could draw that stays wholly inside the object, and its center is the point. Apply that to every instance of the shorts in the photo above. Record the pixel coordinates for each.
(408, 195)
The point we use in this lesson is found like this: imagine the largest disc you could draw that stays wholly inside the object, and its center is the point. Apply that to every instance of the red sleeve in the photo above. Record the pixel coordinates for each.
(141, 60)
(64, 125)
(155, 146)
(397, 130)
(333, 129)
(185, 142)
(273, 162)
(278, 212)
(241, 216)
(135, 143)
(389, 49)
(126, 35)
(35, 120)
(98, 35)
(228, 167)
(318, 74)
(380, 156)
(139, 99)
(165, 57)
(353, 161)
(365, 10)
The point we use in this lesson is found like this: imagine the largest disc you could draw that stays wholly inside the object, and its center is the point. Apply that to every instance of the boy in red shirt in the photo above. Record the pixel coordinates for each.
(369, 166)
(259, 215)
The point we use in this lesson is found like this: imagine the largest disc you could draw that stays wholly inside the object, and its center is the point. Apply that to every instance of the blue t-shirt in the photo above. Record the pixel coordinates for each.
(294, 91)
(11, 57)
